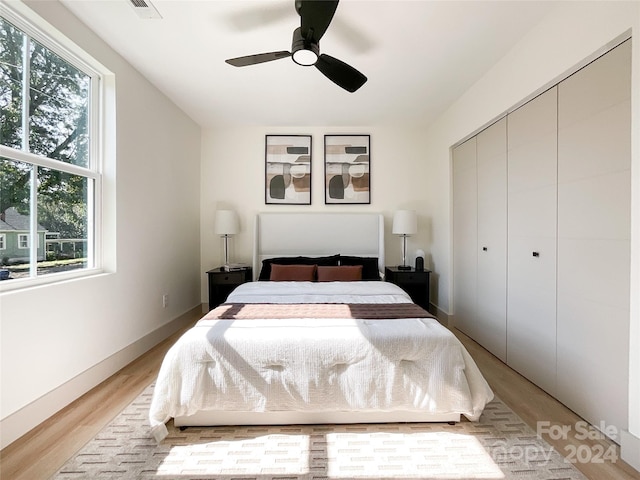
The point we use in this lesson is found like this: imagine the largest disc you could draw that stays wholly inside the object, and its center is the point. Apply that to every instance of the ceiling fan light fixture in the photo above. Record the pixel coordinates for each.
(305, 57)
(304, 52)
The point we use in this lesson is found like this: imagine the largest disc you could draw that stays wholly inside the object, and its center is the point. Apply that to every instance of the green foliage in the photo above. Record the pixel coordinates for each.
(14, 186)
(57, 129)
(11, 67)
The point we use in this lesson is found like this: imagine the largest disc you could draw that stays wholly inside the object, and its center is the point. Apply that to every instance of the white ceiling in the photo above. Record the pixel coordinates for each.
(419, 56)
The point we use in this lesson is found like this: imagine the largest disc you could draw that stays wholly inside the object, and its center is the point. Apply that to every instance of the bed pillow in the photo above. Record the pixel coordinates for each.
(292, 273)
(369, 266)
(265, 271)
(347, 273)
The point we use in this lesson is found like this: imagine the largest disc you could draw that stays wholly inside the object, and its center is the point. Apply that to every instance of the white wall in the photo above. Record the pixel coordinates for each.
(233, 176)
(58, 341)
(568, 35)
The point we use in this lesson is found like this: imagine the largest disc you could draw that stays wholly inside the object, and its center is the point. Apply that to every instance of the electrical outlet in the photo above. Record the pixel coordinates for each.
(165, 300)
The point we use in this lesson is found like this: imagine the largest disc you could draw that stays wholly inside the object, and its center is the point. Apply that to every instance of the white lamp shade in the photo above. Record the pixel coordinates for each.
(226, 222)
(405, 222)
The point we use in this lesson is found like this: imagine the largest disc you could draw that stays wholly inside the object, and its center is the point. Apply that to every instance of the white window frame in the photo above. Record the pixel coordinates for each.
(44, 33)
(3, 241)
(23, 241)
(26, 238)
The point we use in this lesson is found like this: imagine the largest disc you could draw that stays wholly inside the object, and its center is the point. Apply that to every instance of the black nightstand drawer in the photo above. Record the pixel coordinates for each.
(414, 277)
(230, 278)
(222, 283)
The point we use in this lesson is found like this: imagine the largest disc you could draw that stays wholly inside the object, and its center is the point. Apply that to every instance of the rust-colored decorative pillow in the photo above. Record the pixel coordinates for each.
(292, 273)
(347, 273)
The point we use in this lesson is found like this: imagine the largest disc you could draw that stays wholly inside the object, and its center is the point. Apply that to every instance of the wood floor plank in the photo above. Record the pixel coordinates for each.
(42, 451)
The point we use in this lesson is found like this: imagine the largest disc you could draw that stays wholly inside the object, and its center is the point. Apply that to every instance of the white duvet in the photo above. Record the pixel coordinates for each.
(317, 364)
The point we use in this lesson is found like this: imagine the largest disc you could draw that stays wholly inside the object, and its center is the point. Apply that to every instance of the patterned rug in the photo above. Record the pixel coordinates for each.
(499, 446)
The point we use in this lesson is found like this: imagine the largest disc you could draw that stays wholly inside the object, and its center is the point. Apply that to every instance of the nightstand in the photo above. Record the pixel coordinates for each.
(221, 283)
(415, 283)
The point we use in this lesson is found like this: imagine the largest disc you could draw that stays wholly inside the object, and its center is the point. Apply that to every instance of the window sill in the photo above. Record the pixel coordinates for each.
(14, 285)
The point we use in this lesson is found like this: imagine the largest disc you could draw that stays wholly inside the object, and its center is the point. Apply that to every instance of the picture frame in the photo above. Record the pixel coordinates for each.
(347, 169)
(288, 169)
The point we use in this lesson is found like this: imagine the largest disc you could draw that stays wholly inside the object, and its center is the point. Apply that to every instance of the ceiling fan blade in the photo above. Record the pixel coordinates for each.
(315, 17)
(257, 58)
(340, 73)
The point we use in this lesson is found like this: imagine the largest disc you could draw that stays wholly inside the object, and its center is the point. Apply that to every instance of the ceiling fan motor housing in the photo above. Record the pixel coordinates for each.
(304, 52)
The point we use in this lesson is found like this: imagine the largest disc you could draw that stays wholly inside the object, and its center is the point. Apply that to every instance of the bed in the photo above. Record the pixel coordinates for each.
(303, 351)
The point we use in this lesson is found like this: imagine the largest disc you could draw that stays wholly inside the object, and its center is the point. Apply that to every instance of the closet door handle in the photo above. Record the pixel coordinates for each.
(536, 254)
(484, 249)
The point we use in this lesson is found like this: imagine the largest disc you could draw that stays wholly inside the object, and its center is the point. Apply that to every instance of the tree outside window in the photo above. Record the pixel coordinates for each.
(47, 175)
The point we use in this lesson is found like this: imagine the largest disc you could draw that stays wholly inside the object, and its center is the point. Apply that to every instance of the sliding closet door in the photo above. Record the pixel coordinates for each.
(532, 214)
(465, 236)
(594, 199)
(491, 314)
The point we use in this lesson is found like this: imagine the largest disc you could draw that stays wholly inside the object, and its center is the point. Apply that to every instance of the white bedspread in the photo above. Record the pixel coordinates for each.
(317, 364)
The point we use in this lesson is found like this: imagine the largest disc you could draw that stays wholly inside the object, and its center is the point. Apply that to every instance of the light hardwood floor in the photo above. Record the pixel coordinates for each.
(41, 452)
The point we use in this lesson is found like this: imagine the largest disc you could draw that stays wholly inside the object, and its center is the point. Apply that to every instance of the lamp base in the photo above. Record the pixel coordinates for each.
(404, 267)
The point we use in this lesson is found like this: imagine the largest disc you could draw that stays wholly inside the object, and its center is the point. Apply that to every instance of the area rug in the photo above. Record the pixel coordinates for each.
(499, 446)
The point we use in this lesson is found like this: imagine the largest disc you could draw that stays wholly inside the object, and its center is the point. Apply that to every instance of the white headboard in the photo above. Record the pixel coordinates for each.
(317, 234)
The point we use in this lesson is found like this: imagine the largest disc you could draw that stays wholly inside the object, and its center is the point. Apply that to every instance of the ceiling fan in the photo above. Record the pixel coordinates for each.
(315, 17)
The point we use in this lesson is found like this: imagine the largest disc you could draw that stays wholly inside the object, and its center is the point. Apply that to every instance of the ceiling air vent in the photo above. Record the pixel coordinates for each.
(144, 9)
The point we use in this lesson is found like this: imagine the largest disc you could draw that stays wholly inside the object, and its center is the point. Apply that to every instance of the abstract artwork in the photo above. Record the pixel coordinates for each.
(288, 169)
(347, 169)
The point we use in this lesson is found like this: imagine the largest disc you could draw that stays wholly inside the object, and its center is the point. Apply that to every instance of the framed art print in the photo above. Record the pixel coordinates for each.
(347, 168)
(288, 169)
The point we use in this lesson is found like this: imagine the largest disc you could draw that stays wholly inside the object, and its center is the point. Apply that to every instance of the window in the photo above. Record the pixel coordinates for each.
(49, 165)
(2, 241)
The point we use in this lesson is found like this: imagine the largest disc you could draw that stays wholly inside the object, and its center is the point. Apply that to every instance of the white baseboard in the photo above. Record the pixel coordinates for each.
(443, 317)
(18, 423)
(630, 449)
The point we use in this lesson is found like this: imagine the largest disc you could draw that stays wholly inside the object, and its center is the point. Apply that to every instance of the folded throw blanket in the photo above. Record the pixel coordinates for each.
(364, 311)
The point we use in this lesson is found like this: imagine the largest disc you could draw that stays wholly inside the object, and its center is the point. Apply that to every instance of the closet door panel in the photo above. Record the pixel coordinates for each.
(598, 207)
(590, 270)
(492, 239)
(465, 233)
(592, 359)
(532, 229)
(594, 202)
(465, 271)
(533, 165)
(583, 159)
(531, 310)
(532, 213)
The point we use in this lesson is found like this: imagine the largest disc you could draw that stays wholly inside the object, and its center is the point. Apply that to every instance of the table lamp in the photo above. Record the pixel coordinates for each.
(226, 224)
(405, 223)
